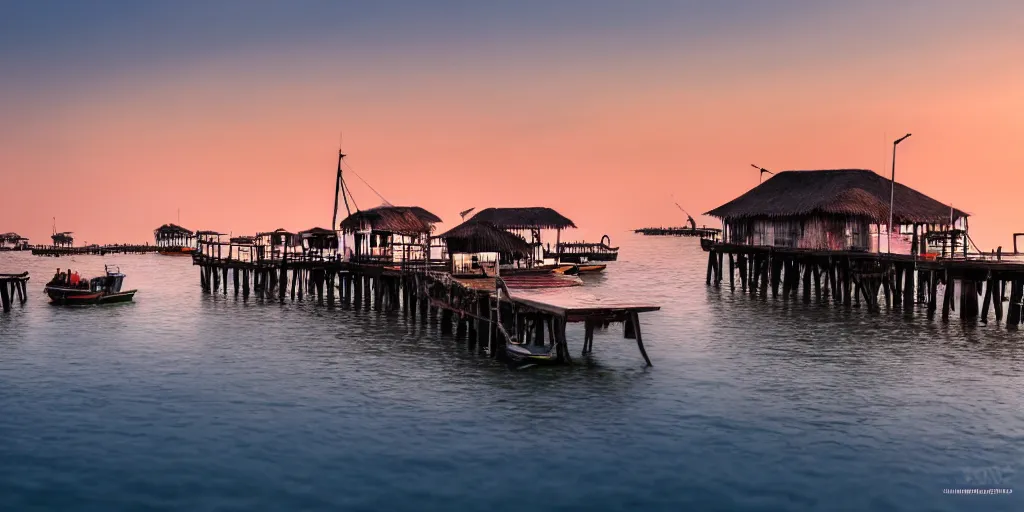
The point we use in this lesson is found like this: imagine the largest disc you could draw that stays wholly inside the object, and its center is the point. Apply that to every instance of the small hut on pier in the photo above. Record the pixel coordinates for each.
(13, 242)
(390, 234)
(173, 235)
(527, 220)
(319, 243)
(837, 210)
(279, 242)
(208, 242)
(469, 244)
(62, 239)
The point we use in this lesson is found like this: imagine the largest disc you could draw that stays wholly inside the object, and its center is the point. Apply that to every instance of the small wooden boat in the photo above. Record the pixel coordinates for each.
(580, 269)
(66, 289)
(176, 251)
(525, 353)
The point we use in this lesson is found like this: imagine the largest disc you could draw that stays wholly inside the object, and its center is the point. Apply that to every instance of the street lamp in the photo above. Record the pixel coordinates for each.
(892, 189)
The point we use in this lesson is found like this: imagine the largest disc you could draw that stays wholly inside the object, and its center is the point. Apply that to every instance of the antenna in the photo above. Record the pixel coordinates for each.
(763, 170)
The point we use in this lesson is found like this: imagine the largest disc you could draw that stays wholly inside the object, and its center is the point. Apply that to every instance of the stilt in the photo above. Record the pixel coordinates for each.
(635, 320)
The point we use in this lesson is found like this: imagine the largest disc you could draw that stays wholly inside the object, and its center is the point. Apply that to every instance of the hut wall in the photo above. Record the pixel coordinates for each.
(822, 233)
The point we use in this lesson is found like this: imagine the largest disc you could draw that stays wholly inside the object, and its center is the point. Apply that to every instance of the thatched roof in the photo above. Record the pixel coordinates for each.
(172, 230)
(842, 192)
(206, 232)
(475, 236)
(524, 218)
(405, 220)
(312, 232)
(11, 237)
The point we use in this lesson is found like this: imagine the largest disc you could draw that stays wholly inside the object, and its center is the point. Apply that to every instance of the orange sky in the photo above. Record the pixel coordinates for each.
(245, 140)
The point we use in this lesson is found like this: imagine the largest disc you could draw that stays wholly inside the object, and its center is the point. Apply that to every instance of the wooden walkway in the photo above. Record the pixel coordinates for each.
(13, 286)
(468, 307)
(98, 250)
(850, 277)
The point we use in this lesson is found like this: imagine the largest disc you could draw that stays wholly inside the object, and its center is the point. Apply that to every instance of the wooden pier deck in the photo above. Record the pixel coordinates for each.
(680, 231)
(903, 281)
(13, 286)
(466, 307)
(97, 250)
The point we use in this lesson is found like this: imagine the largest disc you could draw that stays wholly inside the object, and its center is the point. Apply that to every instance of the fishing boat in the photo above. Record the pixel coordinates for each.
(176, 251)
(67, 288)
(583, 253)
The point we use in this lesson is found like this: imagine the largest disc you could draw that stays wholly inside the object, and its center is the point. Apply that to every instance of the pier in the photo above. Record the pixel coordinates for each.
(680, 231)
(13, 286)
(95, 250)
(825, 234)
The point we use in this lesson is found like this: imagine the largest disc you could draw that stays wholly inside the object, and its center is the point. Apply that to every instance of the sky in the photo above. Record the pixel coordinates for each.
(117, 115)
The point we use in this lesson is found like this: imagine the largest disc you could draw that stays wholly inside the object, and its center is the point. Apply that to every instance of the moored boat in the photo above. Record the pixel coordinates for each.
(176, 251)
(67, 289)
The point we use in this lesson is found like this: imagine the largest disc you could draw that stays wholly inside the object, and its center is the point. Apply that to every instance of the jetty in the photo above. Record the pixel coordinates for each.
(13, 286)
(97, 250)
(701, 232)
(825, 234)
(387, 259)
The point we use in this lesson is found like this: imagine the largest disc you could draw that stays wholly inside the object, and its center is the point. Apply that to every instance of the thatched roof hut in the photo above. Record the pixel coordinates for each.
(172, 234)
(404, 220)
(475, 236)
(524, 218)
(829, 210)
(843, 192)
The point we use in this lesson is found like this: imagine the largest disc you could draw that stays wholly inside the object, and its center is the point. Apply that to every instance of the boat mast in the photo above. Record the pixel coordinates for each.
(339, 189)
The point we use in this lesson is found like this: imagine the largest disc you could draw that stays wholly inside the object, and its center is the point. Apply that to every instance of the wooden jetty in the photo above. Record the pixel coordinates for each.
(98, 250)
(820, 233)
(13, 286)
(390, 270)
(702, 232)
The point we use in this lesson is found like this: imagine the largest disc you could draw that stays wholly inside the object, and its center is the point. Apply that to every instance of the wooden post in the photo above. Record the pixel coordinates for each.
(5, 297)
(807, 283)
(732, 269)
(635, 320)
(711, 266)
(908, 290)
(446, 321)
(988, 300)
(997, 298)
(947, 299)
(1013, 317)
(933, 285)
(969, 300)
(234, 279)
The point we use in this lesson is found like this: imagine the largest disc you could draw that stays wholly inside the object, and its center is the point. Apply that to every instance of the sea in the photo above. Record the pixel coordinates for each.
(185, 401)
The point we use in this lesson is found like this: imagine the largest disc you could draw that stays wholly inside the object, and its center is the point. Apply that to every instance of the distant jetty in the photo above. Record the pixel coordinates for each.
(701, 232)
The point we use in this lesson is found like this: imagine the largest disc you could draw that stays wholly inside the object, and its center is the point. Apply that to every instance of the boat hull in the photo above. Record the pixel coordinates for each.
(521, 353)
(184, 251)
(79, 297)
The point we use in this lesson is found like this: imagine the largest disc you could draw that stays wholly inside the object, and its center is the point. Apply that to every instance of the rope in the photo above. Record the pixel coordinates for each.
(350, 168)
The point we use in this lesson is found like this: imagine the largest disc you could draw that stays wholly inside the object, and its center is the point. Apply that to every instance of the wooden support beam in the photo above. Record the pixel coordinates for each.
(988, 299)
(908, 290)
(635, 320)
(947, 299)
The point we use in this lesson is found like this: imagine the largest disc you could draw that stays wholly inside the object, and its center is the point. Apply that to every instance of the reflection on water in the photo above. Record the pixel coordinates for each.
(189, 401)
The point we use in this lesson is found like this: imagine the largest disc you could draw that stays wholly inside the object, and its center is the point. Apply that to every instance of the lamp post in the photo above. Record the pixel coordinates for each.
(892, 190)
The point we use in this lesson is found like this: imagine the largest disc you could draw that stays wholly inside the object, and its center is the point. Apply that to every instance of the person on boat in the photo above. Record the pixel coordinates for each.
(74, 279)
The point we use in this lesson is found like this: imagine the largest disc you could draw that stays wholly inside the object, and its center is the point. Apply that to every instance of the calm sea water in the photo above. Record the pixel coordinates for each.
(185, 401)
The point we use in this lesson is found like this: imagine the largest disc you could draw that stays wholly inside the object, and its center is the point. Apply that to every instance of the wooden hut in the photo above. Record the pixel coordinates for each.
(62, 239)
(837, 210)
(319, 243)
(527, 222)
(390, 234)
(279, 242)
(469, 243)
(208, 242)
(13, 242)
(173, 235)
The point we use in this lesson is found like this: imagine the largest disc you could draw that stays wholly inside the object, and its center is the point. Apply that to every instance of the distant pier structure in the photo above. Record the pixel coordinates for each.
(13, 242)
(825, 234)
